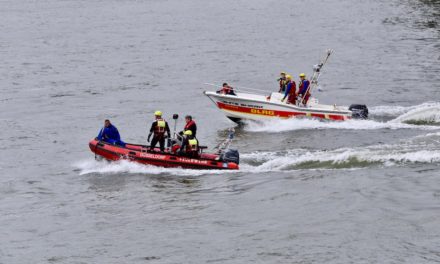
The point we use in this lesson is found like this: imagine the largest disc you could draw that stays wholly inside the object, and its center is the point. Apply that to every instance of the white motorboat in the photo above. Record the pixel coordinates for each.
(250, 105)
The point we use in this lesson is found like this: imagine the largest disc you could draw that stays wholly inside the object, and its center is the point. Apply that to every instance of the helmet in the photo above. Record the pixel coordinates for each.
(188, 132)
(158, 113)
(302, 75)
(288, 77)
(283, 73)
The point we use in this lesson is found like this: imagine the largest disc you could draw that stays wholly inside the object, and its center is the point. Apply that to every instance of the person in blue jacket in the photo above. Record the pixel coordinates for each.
(110, 134)
(290, 92)
(304, 90)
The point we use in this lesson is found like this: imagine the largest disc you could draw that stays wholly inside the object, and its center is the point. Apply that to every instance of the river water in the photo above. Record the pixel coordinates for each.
(307, 192)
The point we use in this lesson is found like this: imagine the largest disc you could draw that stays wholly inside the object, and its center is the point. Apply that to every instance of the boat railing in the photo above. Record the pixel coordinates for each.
(241, 89)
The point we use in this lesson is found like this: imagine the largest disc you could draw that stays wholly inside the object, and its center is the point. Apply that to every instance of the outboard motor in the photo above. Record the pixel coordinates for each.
(359, 111)
(231, 155)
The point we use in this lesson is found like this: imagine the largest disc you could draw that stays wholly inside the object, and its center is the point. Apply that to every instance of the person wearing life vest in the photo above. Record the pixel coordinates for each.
(226, 89)
(110, 134)
(190, 125)
(160, 130)
(290, 92)
(190, 145)
(282, 81)
(304, 90)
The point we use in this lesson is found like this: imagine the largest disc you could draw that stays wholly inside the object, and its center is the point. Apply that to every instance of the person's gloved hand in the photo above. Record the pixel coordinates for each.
(149, 136)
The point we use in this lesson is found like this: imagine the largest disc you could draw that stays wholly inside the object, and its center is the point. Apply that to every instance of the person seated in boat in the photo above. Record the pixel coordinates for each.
(110, 134)
(304, 90)
(190, 145)
(290, 92)
(160, 130)
(226, 89)
(190, 125)
(282, 81)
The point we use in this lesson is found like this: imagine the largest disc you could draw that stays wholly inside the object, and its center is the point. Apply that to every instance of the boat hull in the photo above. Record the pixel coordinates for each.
(247, 106)
(139, 154)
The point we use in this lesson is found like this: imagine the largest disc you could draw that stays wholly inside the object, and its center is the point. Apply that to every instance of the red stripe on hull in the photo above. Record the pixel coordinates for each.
(278, 113)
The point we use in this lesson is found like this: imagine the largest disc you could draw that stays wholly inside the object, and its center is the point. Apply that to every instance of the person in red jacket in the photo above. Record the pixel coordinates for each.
(190, 125)
(226, 89)
(290, 92)
(304, 90)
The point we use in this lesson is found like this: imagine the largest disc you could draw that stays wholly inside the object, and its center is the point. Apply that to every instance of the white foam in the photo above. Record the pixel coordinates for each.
(124, 166)
(389, 110)
(387, 156)
(281, 125)
(428, 114)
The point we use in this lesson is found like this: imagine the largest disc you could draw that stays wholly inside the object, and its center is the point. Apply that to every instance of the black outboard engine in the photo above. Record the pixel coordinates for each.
(231, 155)
(359, 111)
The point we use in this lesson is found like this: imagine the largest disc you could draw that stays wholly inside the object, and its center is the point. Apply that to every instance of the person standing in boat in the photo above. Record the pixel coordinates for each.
(283, 82)
(304, 90)
(110, 134)
(226, 89)
(190, 125)
(160, 130)
(290, 92)
(190, 145)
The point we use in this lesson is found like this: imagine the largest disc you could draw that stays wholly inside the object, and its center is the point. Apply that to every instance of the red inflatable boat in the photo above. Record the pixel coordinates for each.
(138, 153)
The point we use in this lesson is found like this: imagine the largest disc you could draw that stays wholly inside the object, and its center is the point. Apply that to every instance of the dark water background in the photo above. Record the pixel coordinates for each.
(307, 192)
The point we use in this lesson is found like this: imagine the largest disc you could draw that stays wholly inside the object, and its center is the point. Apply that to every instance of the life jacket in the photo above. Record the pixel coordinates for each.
(192, 145)
(189, 124)
(302, 86)
(283, 84)
(292, 91)
(227, 89)
(160, 127)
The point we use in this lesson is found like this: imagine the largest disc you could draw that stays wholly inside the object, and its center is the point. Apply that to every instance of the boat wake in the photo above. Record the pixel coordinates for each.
(394, 111)
(423, 117)
(422, 149)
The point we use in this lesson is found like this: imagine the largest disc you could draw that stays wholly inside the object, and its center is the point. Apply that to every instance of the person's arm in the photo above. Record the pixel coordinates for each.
(116, 133)
(286, 93)
(153, 125)
(100, 135)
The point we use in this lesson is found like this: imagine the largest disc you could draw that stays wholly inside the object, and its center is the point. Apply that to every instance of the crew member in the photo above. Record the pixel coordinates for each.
(226, 89)
(161, 130)
(304, 90)
(282, 81)
(109, 133)
(190, 145)
(290, 92)
(190, 125)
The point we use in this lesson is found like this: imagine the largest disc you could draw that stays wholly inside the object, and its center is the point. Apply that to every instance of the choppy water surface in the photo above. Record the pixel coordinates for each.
(308, 191)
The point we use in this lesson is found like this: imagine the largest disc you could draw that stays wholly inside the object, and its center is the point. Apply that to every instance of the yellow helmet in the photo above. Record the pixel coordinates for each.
(283, 73)
(158, 113)
(188, 133)
(302, 75)
(288, 77)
